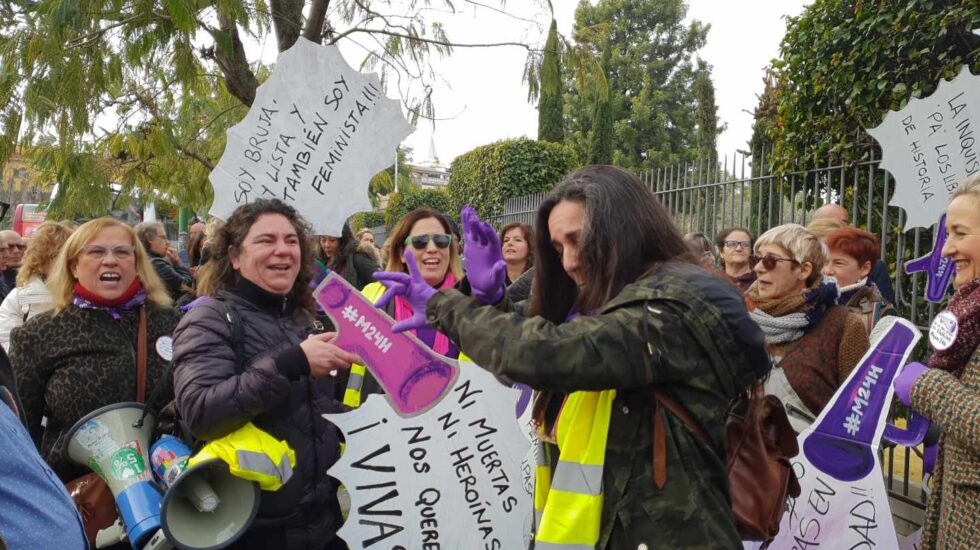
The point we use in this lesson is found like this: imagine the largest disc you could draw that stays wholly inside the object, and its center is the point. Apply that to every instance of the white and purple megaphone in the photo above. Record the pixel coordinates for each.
(939, 269)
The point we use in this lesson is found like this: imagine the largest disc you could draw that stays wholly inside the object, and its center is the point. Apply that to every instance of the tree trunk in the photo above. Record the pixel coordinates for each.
(287, 19)
(239, 78)
(314, 25)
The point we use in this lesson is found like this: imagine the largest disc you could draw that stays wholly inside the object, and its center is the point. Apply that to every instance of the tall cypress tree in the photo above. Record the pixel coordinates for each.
(706, 116)
(551, 104)
(601, 136)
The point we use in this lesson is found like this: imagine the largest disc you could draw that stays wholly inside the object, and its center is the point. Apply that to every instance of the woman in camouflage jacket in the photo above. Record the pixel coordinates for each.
(656, 318)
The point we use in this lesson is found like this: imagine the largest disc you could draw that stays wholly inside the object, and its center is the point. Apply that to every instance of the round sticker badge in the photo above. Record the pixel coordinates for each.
(942, 332)
(165, 347)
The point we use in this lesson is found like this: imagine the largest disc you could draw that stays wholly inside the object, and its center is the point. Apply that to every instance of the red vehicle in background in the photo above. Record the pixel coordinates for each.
(27, 218)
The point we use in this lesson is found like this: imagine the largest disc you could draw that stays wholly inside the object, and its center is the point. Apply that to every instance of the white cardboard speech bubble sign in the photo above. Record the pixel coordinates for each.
(316, 133)
(455, 476)
(932, 145)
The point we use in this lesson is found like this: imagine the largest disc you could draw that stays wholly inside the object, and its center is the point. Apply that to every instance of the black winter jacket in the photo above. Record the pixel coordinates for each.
(215, 397)
(173, 276)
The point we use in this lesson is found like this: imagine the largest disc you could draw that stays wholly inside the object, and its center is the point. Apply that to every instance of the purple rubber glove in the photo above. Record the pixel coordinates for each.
(412, 287)
(906, 379)
(484, 261)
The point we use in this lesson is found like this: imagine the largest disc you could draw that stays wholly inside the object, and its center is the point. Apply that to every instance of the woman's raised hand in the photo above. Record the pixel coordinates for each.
(484, 261)
(410, 286)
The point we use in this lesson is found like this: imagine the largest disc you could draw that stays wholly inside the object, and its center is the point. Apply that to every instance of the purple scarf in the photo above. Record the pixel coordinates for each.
(136, 302)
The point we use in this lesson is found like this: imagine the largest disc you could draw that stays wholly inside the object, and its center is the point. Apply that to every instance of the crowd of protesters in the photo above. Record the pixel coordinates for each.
(597, 303)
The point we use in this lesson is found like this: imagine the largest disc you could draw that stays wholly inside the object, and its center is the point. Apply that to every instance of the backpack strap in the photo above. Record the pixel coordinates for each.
(237, 333)
(660, 401)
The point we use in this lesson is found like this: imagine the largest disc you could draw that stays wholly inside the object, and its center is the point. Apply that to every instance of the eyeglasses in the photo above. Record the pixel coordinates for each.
(738, 244)
(769, 261)
(98, 252)
(419, 242)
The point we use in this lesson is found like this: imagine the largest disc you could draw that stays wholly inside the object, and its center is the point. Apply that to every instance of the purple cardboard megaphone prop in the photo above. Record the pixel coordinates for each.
(939, 270)
(841, 440)
(413, 376)
(910, 436)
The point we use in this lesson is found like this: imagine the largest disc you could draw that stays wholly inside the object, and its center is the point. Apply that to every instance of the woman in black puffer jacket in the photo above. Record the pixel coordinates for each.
(260, 273)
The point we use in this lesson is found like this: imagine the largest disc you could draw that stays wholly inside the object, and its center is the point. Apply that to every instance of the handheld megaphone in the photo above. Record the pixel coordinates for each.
(112, 441)
(204, 506)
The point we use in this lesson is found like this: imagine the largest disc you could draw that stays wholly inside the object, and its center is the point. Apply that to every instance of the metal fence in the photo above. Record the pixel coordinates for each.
(742, 190)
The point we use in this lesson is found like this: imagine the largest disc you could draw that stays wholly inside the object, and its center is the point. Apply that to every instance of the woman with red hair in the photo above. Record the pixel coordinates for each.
(851, 253)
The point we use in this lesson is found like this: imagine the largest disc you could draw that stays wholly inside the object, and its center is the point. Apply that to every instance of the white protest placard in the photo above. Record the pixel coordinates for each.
(930, 146)
(315, 135)
(843, 502)
(455, 476)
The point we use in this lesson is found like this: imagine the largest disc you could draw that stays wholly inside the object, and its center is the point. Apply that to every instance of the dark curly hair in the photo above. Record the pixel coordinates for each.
(218, 274)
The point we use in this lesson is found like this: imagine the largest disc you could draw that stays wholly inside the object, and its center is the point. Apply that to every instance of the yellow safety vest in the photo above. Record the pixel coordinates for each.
(569, 504)
(355, 383)
(252, 454)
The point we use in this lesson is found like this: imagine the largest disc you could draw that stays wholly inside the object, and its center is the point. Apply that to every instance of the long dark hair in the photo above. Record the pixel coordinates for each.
(345, 249)
(626, 234)
(218, 274)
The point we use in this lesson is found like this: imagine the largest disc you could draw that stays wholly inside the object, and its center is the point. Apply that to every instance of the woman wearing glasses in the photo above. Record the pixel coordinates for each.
(735, 249)
(81, 355)
(429, 236)
(813, 342)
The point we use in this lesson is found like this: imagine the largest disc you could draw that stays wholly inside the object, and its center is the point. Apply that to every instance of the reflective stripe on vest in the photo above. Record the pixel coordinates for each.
(352, 395)
(573, 507)
(542, 482)
(251, 454)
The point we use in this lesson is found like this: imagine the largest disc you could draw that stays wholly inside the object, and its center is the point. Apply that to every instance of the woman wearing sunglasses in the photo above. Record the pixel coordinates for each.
(620, 309)
(735, 250)
(814, 343)
(429, 236)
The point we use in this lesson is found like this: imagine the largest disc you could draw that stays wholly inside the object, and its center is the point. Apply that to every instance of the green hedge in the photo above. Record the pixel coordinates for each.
(368, 220)
(488, 175)
(411, 198)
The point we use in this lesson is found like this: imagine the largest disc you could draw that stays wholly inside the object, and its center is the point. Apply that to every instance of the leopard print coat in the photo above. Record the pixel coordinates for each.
(69, 364)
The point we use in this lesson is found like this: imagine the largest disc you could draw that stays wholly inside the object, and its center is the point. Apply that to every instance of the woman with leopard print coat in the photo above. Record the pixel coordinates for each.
(81, 355)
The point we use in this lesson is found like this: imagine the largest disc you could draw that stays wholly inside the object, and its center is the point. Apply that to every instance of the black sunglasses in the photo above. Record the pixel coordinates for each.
(769, 261)
(419, 242)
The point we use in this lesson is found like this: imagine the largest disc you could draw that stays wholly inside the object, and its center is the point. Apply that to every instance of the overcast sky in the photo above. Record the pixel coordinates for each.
(480, 97)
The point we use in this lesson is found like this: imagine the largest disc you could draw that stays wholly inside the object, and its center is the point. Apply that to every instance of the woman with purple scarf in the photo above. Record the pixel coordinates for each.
(81, 355)
(947, 392)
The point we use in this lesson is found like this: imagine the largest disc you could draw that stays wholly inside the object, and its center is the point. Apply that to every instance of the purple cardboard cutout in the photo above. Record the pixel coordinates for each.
(937, 268)
(841, 440)
(413, 376)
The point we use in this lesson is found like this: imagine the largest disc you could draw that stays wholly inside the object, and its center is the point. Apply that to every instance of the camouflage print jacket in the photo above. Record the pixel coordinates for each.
(679, 328)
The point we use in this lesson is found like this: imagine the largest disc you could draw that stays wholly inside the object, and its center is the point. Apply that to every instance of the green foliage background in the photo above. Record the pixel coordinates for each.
(409, 198)
(488, 175)
(845, 64)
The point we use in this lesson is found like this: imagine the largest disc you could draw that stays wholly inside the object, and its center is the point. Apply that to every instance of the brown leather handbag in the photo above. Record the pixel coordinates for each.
(92, 497)
(760, 444)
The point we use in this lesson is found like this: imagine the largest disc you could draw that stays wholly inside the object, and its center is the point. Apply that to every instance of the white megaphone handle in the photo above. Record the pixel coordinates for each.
(113, 534)
(200, 494)
(158, 542)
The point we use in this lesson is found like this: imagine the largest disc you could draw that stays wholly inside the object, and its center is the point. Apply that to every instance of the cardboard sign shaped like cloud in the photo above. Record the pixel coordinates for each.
(316, 133)
(932, 145)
